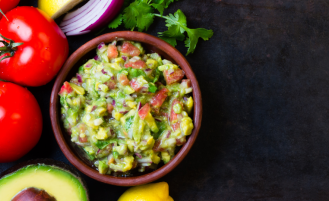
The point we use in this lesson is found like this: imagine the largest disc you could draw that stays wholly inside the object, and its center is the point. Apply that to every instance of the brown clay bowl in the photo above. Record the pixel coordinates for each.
(79, 57)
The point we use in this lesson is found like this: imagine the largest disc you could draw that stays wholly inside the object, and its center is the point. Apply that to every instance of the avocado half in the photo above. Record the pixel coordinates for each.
(45, 181)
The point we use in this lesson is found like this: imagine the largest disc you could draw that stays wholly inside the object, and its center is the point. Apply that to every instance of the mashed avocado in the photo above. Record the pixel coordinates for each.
(127, 109)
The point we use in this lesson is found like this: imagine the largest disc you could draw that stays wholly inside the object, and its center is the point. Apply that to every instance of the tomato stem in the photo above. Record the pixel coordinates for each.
(3, 14)
(8, 48)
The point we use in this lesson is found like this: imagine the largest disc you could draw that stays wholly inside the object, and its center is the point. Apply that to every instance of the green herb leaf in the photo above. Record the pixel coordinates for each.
(177, 26)
(193, 37)
(129, 122)
(116, 22)
(157, 75)
(89, 155)
(152, 88)
(102, 144)
(138, 14)
(159, 7)
(162, 127)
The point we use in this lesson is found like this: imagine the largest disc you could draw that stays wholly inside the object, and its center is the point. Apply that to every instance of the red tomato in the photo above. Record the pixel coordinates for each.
(159, 98)
(112, 52)
(66, 89)
(111, 84)
(144, 111)
(123, 79)
(20, 121)
(130, 49)
(44, 48)
(172, 77)
(139, 64)
(135, 85)
(110, 108)
(7, 5)
(186, 83)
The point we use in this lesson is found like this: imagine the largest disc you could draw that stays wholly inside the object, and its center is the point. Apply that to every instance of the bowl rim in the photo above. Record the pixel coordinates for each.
(69, 64)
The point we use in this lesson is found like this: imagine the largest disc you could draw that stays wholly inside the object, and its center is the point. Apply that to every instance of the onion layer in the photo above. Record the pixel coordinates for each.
(93, 15)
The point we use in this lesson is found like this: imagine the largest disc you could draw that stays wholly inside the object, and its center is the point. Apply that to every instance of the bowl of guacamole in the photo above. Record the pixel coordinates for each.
(126, 108)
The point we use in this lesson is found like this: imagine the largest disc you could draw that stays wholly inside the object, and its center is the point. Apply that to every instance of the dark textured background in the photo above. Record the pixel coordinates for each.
(264, 78)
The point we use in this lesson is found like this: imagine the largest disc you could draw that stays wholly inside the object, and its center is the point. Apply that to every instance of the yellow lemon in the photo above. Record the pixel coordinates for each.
(149, 192)
(55, 8)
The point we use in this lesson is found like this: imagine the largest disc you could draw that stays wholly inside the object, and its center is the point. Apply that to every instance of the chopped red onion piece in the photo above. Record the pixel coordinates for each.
(101, 45)
(139, 155)
(112, 78)
(88, 66)
(124, 104)
(148, 69)
(139, 106)
(124, 58)
(168, 134)
(157, 120)
(79, 78)
(98, 151)
(94, 108)
(124, 112)
(113, 102)
(96, 58)
(185, 99)
(104, 72)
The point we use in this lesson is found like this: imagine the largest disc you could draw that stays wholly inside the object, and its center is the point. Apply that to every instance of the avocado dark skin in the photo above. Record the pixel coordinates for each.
(33, 194)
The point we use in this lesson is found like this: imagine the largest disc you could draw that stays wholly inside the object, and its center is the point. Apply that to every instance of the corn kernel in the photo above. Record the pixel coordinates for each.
(187, 125)
(131, 104)
(117, 115)
(102, 134)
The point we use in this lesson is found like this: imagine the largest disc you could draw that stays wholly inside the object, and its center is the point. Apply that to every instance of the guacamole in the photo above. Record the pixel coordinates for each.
(127, 109)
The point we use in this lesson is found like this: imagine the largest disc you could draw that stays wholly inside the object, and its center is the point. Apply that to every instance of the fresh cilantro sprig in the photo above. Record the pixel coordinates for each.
(140, 14)
(177, 27)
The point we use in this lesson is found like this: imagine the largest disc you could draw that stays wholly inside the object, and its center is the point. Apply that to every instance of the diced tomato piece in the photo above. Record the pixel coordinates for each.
(83, 139)
(139, 64)
(176, 126)
(186, 83)
(110, 108)
(123, 79)
(130, 49)
(111, 84)
(157, 147)
(66, 89)
(173, 76)
(135, 85)
(112, 52)
(144, 111)
(173, 115)
(159, 98)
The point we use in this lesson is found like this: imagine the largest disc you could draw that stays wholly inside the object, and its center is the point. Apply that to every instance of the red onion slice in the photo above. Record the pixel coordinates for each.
(93, 15)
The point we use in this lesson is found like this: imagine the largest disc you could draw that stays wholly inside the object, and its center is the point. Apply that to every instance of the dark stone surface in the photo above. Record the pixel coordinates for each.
(264, 79)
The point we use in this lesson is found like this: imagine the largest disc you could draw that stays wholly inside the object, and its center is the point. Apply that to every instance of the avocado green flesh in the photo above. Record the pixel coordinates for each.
(56, 182)
(101, 108)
